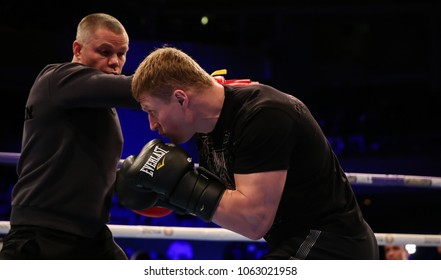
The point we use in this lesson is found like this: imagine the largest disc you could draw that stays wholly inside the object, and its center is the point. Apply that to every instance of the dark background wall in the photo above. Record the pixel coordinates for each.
(370, 72)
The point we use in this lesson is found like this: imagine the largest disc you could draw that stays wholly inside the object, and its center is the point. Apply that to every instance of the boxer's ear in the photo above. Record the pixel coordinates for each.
(180, 96)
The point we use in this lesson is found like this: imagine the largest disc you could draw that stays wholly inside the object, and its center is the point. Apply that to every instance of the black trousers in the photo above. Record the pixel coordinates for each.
(38, 243)
(322, 245)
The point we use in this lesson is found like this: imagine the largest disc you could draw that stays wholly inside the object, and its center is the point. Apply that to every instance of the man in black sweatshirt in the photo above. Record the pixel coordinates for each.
(71, 146)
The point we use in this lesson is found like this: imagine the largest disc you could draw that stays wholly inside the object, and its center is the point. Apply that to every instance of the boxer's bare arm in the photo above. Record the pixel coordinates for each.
(250, 209)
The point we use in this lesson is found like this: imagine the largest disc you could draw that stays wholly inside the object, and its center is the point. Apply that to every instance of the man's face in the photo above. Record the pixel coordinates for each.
(394, 252)
(105, 51)
(170, 119)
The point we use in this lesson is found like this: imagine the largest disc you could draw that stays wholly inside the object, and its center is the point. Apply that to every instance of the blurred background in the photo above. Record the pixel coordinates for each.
(370, 73)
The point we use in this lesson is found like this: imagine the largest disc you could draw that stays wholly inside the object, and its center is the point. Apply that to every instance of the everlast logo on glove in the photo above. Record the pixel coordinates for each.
(172, 178)
(152, 162)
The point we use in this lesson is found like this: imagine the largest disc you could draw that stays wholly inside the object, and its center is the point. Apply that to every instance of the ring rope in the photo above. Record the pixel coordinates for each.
(354, 178)
(393, 180)
(9, 158)
(221, 234)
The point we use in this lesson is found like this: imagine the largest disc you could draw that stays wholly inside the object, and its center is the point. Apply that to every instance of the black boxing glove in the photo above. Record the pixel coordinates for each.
(199, 191)
(128, 192)
(168, 170)
(163, 202)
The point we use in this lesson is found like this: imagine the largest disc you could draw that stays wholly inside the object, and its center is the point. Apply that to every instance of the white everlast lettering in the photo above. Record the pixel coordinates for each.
(152, 161)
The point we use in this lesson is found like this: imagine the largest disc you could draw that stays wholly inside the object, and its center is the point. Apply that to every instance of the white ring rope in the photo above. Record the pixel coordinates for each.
(393, 180)
(220, 234)
(354, 178)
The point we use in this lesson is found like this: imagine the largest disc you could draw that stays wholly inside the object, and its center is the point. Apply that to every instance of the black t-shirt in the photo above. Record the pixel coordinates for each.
(72, 142)
(263, 129)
